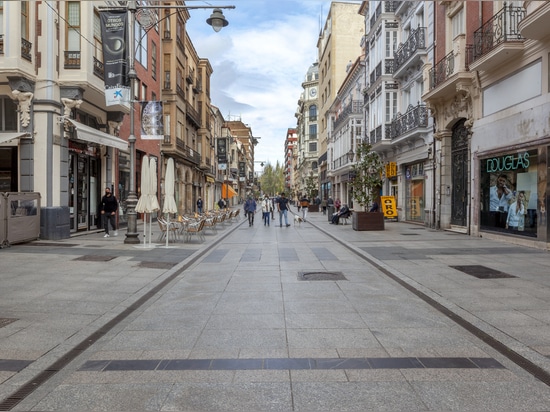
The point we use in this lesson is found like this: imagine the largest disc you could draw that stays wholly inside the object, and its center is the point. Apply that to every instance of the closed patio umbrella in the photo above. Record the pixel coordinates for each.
(153, 203)
(169, 189)
(142, 205)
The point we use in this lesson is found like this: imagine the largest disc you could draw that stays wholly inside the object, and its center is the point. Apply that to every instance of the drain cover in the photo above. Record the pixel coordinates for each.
(316, 275)
(6, 321)
(482, 272)
(157, 265)
(95, 258)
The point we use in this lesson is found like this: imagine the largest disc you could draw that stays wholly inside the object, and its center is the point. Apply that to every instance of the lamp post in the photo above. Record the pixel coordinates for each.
(217, 21)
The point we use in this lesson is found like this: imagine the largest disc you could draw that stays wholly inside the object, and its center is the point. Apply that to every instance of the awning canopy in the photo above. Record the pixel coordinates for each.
(90, 134)
(228, 192)
(6, 137)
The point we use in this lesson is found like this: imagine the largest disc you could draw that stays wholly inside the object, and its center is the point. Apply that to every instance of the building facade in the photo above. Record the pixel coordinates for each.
(338, 44)
(306, 155)
(59, 138)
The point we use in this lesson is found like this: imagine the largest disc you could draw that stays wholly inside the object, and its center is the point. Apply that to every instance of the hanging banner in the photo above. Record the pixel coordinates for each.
(152, 125)
(114, 26)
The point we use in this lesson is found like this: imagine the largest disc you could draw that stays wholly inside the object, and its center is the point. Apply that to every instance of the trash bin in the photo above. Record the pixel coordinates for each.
(330, 212)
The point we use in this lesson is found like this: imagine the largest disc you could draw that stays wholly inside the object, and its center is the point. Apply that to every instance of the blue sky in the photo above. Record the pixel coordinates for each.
(260, 61)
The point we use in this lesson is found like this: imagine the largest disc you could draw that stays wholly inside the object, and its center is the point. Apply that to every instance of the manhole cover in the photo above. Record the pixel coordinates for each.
(316, 275)
(95, 258)
(157, 265)
(6, 321)
(482, 272)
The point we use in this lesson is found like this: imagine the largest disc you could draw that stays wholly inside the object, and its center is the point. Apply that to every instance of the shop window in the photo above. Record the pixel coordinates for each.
(508, 193)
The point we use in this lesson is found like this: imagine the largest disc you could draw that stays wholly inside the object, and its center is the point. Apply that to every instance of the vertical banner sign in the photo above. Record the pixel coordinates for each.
(388, 207)
(222, 150)
(114, 25)
(152, 126)
(242, 172)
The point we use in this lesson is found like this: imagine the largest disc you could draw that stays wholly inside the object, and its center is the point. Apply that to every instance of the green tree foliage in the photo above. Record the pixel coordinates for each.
(311, 186)
(273, 179)
(367, 172)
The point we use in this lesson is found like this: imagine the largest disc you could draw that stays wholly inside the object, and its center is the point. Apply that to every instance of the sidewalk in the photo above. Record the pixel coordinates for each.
(230, 324)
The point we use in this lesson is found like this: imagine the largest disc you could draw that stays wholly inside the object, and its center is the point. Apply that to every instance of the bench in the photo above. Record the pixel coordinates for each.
(344, 219)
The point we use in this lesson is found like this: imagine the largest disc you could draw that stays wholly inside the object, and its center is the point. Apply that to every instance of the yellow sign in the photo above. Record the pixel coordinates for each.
(388, 207)
(391, 169)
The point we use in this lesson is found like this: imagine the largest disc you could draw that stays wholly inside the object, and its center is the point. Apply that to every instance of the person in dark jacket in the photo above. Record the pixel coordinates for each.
(250, 209)
(109, 207)
(344, 211)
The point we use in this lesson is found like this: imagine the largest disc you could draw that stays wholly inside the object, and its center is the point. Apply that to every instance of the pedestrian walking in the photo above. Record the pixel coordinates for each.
(267, 209)
(304, 203)
(199, 205)
(109, 207)
(283, 207)
(250, 209)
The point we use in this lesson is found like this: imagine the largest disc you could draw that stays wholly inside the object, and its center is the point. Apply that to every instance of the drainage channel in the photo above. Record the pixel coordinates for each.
(527, 365)
(26, 389)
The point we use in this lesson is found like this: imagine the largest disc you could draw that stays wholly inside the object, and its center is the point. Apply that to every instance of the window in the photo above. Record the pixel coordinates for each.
(140, 44)
(25, 20)
(312, 112)
(312, 147)
(73, 26)
(98, 53)
(457, 23)
(8, 114)
(313, 131)
(143, 95)
(154, 60)
(391, 43)
(391, 106)
(1, 22)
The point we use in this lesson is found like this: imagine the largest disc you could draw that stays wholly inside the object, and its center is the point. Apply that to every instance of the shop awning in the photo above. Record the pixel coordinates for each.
(90, 134)
(6, 137)
(228, 192)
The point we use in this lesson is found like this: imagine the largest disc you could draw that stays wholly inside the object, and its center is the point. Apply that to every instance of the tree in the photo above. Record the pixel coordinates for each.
(311, 186)
(272, 180)
(367, 175)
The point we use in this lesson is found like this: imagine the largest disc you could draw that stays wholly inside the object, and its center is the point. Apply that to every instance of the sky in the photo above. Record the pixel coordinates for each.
(260, 61)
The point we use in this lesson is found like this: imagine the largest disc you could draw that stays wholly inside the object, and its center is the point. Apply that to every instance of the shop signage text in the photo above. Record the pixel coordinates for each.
(509, 162)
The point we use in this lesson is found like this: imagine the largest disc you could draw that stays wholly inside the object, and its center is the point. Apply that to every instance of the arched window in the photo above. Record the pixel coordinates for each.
(313, 112)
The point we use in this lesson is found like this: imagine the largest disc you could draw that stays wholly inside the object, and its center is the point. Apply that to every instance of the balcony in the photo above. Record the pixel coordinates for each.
(99, 69)
(26, 48)
(413, 119)
(354, 107)
(1, 44)
(498, 40)
(411, 52)
(183, 151)
(192, 115)
(71, 60)
(450, 72)
(535, 25)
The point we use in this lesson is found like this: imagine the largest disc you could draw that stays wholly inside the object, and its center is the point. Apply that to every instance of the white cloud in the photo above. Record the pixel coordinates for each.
(260, 61)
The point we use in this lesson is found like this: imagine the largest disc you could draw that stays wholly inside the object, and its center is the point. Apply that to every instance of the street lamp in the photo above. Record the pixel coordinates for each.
(350, 155)
(217, 21)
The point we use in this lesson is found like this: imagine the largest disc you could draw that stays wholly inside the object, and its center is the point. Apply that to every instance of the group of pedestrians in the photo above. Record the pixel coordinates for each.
(268, 206)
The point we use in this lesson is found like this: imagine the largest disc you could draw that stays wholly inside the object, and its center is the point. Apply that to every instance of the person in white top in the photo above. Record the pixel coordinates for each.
(267, 209)
(516, 213)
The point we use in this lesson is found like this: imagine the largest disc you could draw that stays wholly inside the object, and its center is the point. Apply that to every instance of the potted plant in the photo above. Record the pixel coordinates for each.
(365, 185)
(311, 192)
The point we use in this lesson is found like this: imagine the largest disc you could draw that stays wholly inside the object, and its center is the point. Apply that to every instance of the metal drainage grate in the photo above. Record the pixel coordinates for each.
(52, 244)
(315, 275)
(95, 258)
(482, 272)
(6, 321)
(156, 265)
(409, 234)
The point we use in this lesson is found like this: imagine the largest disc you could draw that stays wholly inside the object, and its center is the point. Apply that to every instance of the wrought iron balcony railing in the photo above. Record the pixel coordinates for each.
(26, 48)
(416, 41)
(442, 70)
(99, 69)
(1, 44)
(414, 118)
(501, 28)
(72, 59)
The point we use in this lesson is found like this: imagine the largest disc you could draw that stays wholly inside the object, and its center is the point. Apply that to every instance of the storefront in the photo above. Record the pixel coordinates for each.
(415, 192)
(512, 192)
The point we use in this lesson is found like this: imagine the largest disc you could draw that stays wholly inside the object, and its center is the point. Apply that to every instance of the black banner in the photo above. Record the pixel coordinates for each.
(242, 172)
(114, 28)
(222, 150)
